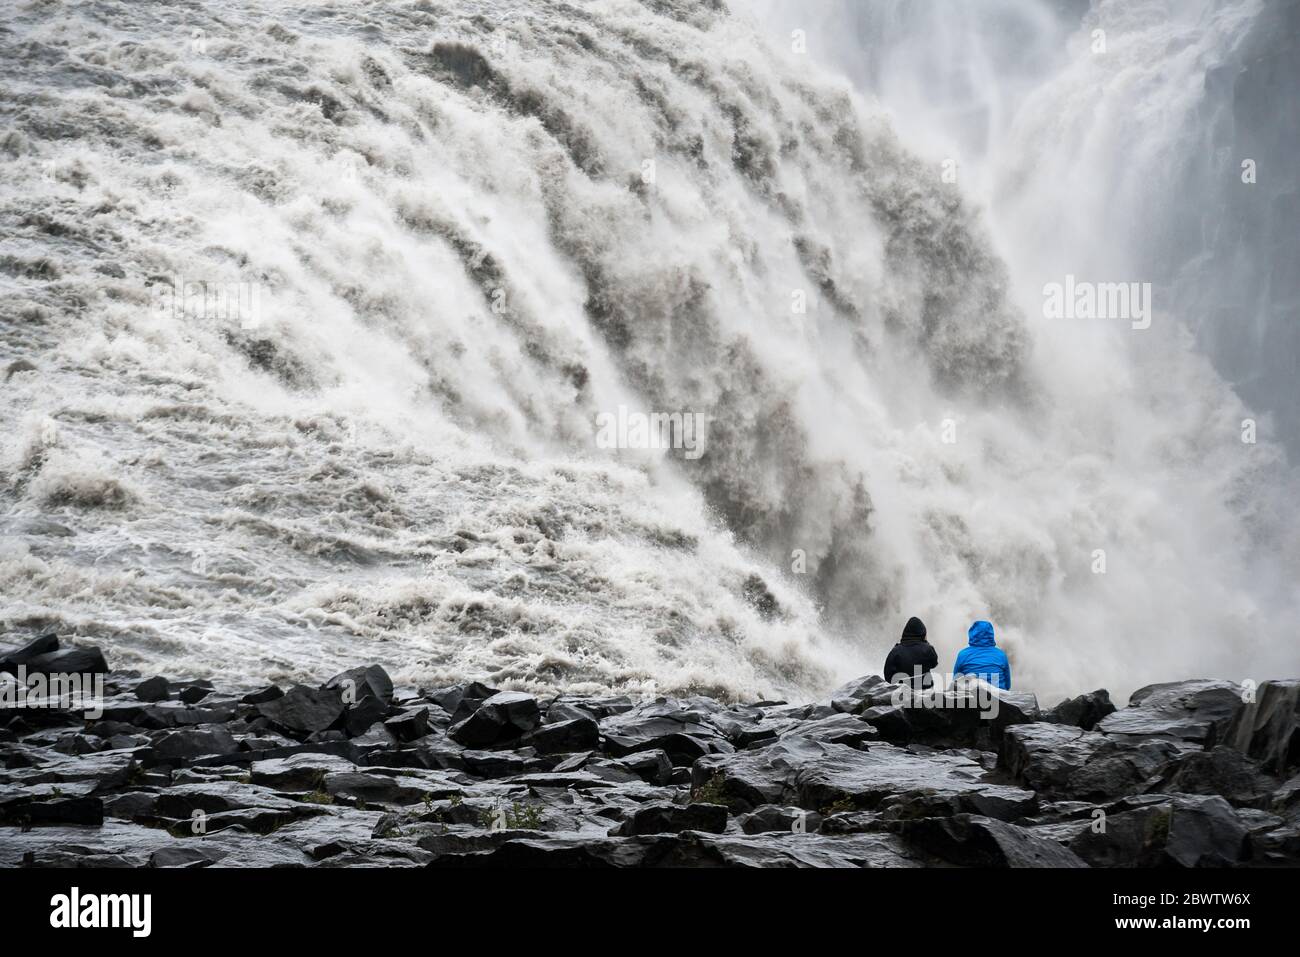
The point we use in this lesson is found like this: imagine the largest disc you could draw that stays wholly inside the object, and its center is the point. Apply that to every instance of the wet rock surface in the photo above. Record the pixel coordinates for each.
(179, 772)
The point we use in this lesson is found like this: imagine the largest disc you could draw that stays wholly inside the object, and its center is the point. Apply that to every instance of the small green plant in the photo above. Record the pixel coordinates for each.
(526, 817)
(516, 817)
(839, 806)
(457, 800)
(1157, 831)
(712, 791)
(319, 796)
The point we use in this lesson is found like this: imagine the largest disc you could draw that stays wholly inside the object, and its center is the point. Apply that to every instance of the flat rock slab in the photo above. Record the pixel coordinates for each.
(837, 729)
(1063, 761)
(1167, 830)
(668, 818)
(182, 800)
(579, 780)
(689, 849)
(1198, 712)
(120, 844)
(683, 732)
(814, 775)
(108, 769)
(374, 788)
(974, 841)
(298, 772)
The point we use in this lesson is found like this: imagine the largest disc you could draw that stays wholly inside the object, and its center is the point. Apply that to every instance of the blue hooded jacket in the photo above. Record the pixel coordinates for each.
(983, 658)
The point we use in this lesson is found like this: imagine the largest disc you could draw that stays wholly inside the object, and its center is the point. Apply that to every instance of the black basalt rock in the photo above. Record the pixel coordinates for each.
(303, 710)
(972, 841)
(1083, 711)
(87, 660)
(666, 818)
(356, 684)
(1198, 712)
(1268, 727)
(562, 737)
(356, 774)
(43, 645)
(505, 716)
(153, 689)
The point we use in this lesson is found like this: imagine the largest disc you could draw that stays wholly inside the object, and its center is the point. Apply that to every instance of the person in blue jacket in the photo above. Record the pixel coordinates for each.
(983, 658)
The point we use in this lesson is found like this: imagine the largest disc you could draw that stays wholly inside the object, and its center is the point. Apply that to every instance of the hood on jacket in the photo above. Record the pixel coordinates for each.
(981, 635)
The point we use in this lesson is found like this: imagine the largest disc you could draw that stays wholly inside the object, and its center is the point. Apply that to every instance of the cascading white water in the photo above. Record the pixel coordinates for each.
(1108, 140)
(473, 227)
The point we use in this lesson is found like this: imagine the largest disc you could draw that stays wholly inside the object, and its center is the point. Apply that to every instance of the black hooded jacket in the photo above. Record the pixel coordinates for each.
(908, 655)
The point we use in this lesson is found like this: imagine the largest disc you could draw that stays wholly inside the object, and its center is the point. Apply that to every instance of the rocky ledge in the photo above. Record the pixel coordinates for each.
(355, 772)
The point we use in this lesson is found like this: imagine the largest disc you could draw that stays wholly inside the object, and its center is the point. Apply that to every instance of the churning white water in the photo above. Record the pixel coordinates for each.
(316, 306)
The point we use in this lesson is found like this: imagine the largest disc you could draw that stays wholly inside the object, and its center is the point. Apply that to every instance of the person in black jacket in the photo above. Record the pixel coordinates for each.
(912, 658)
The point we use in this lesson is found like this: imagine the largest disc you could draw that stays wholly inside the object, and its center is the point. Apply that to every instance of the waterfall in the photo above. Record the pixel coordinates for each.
(324, 302)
